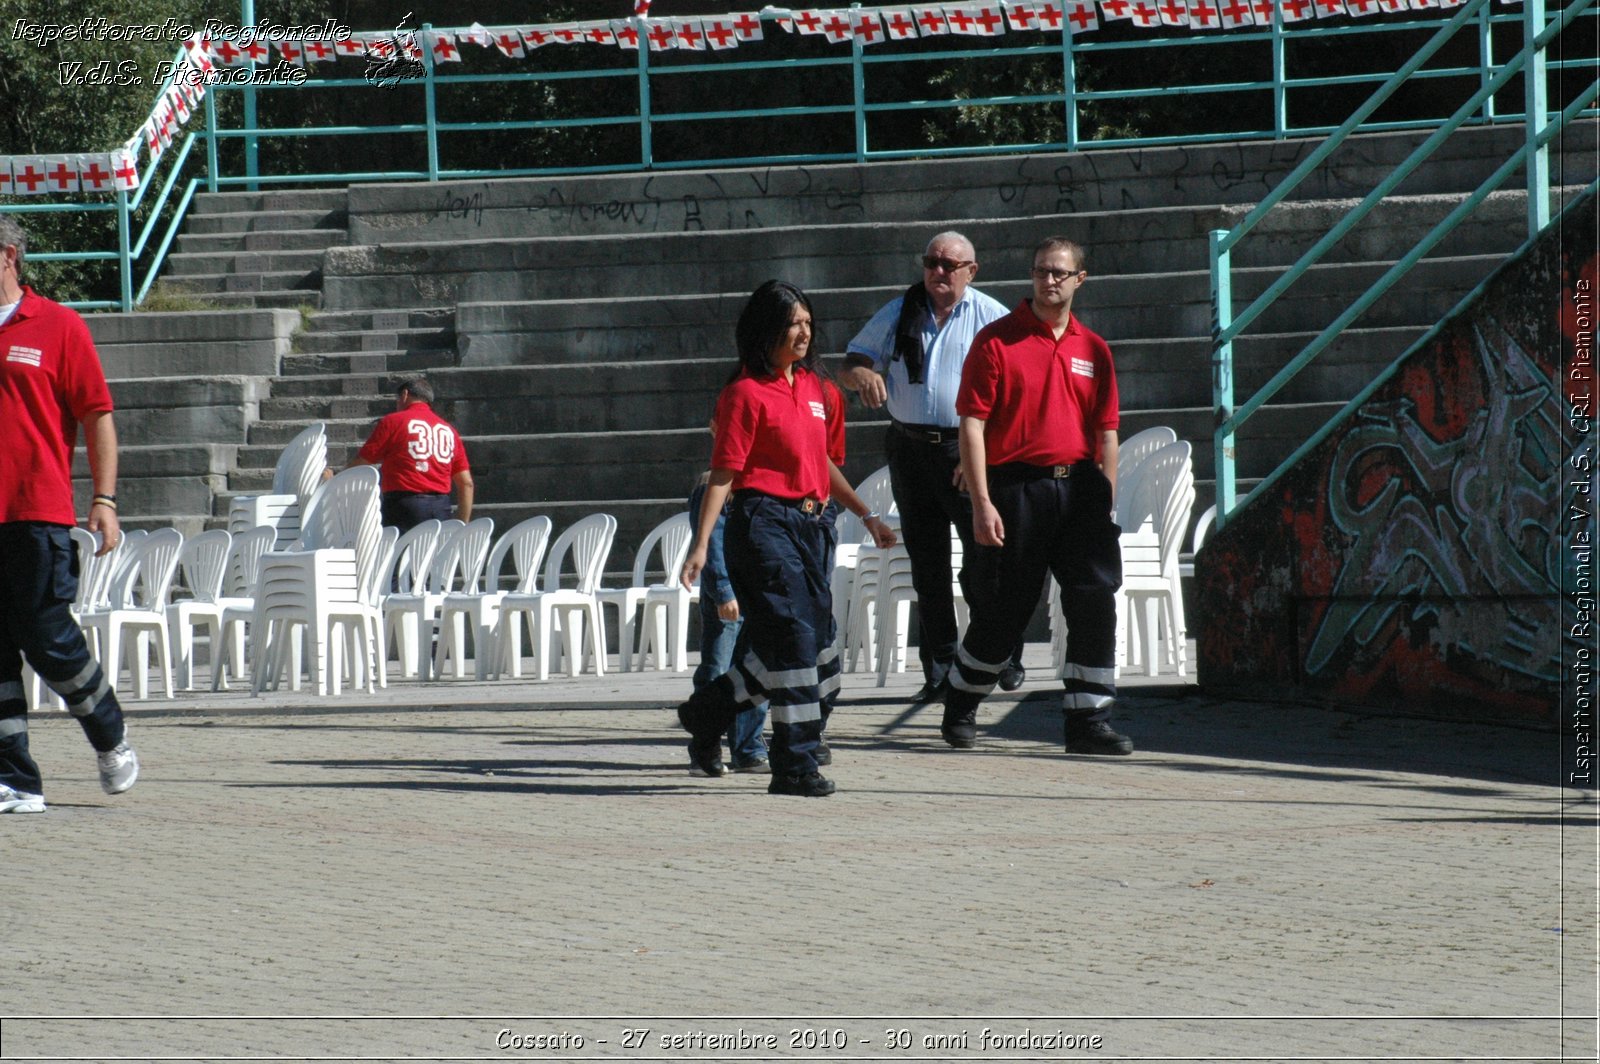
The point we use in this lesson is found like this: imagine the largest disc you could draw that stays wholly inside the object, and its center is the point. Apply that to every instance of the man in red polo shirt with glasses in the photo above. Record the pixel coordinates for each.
(1038, 406)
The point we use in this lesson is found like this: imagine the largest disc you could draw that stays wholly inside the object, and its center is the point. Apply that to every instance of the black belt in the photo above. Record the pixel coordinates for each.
(415, 494)
(925, 433)
(808, 505)
(1014, 472)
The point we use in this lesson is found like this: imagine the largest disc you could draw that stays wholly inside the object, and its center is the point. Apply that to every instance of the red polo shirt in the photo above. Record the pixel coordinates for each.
(833, 399)
(50, 380)
(416, 450)
(774, 435)
(1043, 401)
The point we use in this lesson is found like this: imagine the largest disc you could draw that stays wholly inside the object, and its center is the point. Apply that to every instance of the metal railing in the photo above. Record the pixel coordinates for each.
(874, 106)
(1532, 156)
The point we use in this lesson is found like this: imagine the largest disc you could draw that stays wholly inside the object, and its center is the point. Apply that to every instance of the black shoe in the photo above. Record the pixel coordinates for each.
(930, 691)
(1096, 738)
(1013, 676)
(706, 759)
(823, 754)
(754, 766)
(960, 728)
(811, 785)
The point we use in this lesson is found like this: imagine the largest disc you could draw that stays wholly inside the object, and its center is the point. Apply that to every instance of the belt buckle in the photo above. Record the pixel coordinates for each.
(808, 506)
(933, 436)
(1061, 471)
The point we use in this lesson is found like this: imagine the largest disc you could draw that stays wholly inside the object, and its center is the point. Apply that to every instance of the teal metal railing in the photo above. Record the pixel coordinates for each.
(1532, 156)
(869, 113)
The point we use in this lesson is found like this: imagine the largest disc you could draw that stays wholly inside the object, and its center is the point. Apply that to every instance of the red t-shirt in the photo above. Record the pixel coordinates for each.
(50, 380)
(417, 450)
(1044, 401)
(774, 435)
(833, 400)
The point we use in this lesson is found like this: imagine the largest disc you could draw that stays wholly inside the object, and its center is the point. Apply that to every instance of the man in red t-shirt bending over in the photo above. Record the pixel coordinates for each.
(421, 456)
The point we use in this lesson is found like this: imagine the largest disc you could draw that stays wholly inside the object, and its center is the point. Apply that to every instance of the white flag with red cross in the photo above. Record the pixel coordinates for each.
(899, 23)
(626, 34)
(125, 168)
(507, 40)
(1298, 10)
(60, 173)
(660, 35)
(867, 26)
(292, 52)
(94, 173)
(1145, 13)
(720, 34)
(747, 24)
(931, 21)
(1081, 16)
(1173, 12)
(808, 23)
(442, 46)
(1235, 14)
(836, 26)
(28, 176)
(1051, 16)
(1204, 15)
(1116, 10)
(689, 34)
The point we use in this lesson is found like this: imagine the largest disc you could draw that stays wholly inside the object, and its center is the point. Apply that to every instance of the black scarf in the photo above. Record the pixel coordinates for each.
(908, 331)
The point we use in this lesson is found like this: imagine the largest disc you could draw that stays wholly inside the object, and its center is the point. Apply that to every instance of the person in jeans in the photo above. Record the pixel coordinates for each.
(51, 382)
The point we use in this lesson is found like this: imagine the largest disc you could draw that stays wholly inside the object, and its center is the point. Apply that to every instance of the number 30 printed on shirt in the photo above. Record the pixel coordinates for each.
(435, 442)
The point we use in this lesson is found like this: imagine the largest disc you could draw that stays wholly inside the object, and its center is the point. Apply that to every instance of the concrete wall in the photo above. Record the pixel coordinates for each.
(1414, 559)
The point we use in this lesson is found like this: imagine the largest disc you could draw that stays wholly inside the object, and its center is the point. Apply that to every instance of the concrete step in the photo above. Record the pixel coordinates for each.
(236, 243)
(300, 282)
(327, 386)
(276, 434)
(913, 190)
(192, 343)
(1153, 241)
(197, 264)
(368, 363)
(382, 320)
(324, 408)
(295, 199)
(202, 224)
(314, 342)
(287, 299)
(161, 479)
(201, 410)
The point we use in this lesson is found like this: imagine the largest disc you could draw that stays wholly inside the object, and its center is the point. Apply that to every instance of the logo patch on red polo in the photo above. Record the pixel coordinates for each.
(1083, 367)
(818, 409)
(28, 356)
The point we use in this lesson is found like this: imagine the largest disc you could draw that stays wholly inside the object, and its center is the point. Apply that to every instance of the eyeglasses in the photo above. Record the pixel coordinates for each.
(1041, 273)
(934, 262)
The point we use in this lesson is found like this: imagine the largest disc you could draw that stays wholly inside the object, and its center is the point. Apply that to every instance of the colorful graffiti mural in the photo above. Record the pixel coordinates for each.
(1419, 556)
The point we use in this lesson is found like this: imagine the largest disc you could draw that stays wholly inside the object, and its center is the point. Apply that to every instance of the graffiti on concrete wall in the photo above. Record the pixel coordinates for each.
(1440, 527)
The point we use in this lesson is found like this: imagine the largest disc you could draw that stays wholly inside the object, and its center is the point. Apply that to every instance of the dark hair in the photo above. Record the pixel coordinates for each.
(1080, 258)
(419, 388)
(762, 325)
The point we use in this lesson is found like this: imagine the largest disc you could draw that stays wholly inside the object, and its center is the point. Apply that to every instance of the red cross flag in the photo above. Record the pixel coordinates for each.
(641, 7)
(1328, 8)
(566, 33)
(477, 34)
(836, 26)
(1115, 10)
(124, 168)
(178, 102)
(1022, 17)
(319, 52)
(508, 42)
(1051, 17)
(961, 20)
(626, 33)
(61, 173)
(991, 23)
(28, 176)
(1173, 12)
(1264, 10)
(867, 26)
(1236, 14)
(350, 46)
(1419, 5)
(689, 34)
(1081, 16)
(1203, 15)
(931, 21)
(598, 33)
(747, 24)
(536, 36)
(229, 54)
(94, 172)
(900, 24)
(808, 23)
(1145, 13)
(1451, 3)
(660, 36)
(442, 46)
(1298, 10)
(291, 52)
(5, 175)
(720, 33)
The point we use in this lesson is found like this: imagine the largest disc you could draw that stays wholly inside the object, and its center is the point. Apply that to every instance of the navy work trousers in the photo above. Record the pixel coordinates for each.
(779, 560)
(1059, 525)
(406, 510)
(38, 581)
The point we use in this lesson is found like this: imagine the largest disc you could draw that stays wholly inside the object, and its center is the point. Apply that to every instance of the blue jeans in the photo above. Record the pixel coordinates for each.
(718, 638)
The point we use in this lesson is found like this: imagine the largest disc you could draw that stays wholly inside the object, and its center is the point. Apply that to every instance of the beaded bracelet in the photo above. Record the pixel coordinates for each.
(104, 500)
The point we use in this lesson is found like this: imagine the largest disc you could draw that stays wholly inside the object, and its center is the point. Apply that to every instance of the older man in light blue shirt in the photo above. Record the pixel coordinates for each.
(909, 356)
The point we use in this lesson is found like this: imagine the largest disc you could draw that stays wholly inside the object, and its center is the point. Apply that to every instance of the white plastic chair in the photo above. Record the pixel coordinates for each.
(524, 544)
(664, 620)
(300, 466)
(239, 600)
(668, 543)
(1202, 532)
(1151, 596)
(587, 543)
(136, 608)
(1131, 454)
(876, 491)
(457, 565)
(203, 561)
(320, 584)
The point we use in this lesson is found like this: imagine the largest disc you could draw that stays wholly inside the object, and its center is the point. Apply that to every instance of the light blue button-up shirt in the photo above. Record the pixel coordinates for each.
(933, 402)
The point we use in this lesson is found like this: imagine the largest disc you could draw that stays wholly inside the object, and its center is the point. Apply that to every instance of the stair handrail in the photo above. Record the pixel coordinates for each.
(1226, 327)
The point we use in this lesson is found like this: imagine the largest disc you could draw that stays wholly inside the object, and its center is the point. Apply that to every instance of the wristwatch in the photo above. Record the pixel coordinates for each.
(869, 515)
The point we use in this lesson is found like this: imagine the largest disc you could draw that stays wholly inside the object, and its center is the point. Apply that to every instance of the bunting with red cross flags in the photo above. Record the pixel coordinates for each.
(899, 23)
(1081, 16)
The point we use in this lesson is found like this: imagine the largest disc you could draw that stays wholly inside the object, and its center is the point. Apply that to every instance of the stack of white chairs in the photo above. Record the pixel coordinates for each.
(668, 542)
(320, 585)
(586, 545)
(1202, 532)
(295, 479)
(878, 495)
(242, 576)
(524, 544)
(94, 574)
(457, 566)
(135, 608)
(203, 564)
(664, 621)
(1150, 601)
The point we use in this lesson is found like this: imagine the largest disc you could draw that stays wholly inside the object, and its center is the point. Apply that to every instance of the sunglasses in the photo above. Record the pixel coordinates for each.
(934, 262)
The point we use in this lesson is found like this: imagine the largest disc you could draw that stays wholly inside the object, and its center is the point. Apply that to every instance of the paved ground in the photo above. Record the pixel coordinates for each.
(485, 871)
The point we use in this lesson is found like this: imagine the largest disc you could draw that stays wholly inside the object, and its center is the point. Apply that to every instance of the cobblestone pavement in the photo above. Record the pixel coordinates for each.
(487, 871)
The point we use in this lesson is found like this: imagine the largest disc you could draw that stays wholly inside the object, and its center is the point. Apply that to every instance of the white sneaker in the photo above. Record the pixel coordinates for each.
(14, 801)
(119, 767)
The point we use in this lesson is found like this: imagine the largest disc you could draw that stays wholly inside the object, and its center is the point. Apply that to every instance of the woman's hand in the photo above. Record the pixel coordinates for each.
(692, 565)
(882, 534)
(729, 611)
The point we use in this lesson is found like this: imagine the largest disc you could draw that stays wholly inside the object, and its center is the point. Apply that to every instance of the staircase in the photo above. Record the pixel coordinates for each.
(577, 329)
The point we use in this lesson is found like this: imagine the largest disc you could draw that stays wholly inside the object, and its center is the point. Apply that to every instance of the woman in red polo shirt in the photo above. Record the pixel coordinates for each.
(771, 456)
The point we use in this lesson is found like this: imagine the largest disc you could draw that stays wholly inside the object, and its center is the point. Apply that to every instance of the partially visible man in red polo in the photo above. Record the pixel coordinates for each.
(50, 383)
(421, 457)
